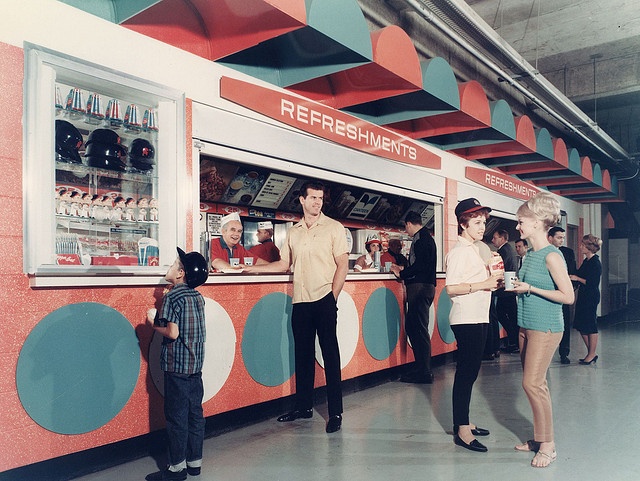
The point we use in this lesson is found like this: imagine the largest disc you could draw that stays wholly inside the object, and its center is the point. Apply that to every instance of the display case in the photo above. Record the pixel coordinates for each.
(105, 172)
(105, 217)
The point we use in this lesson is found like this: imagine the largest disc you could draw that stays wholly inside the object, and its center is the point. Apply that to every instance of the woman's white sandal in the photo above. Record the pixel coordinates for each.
(550, 457)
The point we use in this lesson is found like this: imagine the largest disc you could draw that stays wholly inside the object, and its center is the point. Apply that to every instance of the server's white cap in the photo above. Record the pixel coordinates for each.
(265, 225)
(228, 218)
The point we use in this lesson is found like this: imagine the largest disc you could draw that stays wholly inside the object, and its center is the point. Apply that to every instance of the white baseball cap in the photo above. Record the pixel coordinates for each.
(265, 225)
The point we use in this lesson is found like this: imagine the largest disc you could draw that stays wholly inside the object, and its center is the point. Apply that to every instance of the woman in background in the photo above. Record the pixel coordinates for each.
(588, 276)
(469, 286)
(367, 261)
(543, 287)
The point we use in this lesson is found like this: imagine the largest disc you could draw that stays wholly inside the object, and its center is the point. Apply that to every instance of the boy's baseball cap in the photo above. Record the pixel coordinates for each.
(195, 268)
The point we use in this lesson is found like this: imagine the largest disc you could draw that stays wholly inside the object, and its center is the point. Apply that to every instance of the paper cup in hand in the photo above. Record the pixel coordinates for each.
(509, 279)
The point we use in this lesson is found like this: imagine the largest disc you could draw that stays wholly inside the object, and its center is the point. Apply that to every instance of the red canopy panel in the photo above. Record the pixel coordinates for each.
(609, 223)
(587, 168)
(593, 187)
(560, 162)
(525, 143)
(395, 70)
(216, 28)
(562, 177)
(602, 196)
(606, 180)
(585, 177)
(474, 114)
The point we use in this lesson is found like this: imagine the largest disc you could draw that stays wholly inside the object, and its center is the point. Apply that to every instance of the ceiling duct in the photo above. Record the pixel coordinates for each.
(458, 22)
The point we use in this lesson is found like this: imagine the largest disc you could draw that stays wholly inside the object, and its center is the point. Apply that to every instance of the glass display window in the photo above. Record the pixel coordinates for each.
(269, 189)
(100, 149)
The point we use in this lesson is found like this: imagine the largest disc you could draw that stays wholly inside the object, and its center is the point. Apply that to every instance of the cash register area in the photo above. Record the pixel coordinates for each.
(396, 431)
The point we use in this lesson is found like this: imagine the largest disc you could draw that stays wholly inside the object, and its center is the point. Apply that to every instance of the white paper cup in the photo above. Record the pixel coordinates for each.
(234, 261)
(509, 278)
(248, 261)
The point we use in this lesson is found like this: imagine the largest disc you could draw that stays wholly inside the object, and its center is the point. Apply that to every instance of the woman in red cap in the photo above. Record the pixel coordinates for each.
(366, 261)
(469, 286)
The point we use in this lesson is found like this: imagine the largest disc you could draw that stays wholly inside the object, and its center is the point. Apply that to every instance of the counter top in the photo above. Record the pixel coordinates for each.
(131, 280)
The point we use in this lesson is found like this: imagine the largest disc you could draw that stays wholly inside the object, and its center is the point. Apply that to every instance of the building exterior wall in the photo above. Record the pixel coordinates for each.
(22, 440)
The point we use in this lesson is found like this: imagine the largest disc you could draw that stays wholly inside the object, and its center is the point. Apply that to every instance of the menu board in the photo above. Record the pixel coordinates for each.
(213, 223)
(267, 193)
(273, 191)
(364, 206)
(244, 186)
(390, 209)
(343, 200)
(291, 202)
(215, 177)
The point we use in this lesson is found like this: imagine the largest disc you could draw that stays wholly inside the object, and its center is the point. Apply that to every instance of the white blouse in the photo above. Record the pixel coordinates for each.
(464, 265)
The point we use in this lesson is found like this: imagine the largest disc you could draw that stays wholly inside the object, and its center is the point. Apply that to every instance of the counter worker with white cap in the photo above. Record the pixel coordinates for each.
(181, 322)
(316, 250)
(366, 261)
(228, 246)
(266, 249)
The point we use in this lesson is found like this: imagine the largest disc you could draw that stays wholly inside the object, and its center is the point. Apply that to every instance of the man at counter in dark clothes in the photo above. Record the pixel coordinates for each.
(316, 250)
(266, 249)
(228, 246)
(394, 253)
(419, 277)
(521, 249)
(556, 237)
(506, 302)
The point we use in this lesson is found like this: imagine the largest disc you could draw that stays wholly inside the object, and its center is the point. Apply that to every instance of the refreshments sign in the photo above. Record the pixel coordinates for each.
(505, 184)
(328, 123)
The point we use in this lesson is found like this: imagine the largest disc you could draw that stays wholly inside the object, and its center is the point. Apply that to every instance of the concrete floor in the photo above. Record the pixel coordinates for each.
(397, 431)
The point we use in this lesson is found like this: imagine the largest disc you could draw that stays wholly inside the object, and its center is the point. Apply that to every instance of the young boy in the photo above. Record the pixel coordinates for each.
(181, 322)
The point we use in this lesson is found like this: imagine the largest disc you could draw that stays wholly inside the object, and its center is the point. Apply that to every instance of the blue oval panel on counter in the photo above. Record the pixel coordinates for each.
(78, 368)
(381, 323)
(267, 340)
(444, 308)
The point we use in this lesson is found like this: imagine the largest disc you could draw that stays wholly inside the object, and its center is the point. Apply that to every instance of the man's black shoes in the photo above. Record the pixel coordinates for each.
(477, 431)
(417, 378)
(474, 445)
(193, 471)
(334, 423)
(297, 414)
(166, 475)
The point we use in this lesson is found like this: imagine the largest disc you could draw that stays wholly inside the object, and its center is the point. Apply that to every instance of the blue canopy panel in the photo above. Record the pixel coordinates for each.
(502, 129)
(570, 175)
(336, 38)
(543, 152)
(116, 11)
(439, 94)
